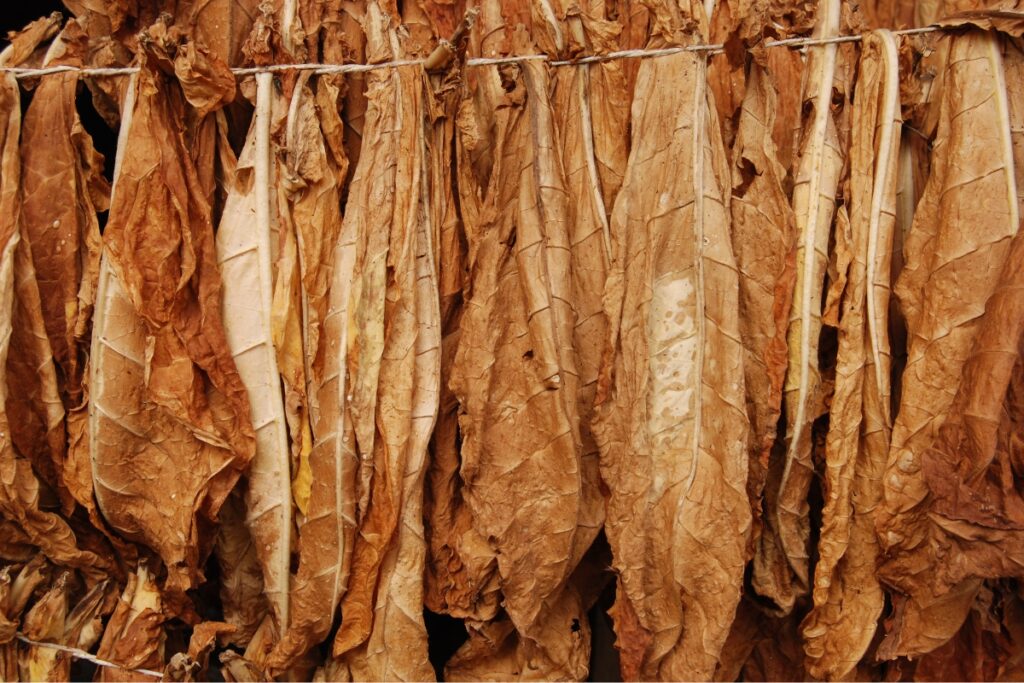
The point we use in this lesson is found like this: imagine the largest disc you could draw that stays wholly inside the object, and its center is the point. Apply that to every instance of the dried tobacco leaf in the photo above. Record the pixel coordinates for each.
(63, 188)
(978, 649)
(949, 275)
(764, 241)
(673, 430)
(44, 622)
(246, 261)
(516, 371)
(591, 119)
(390, 370)
(35, 412)
(241, 576)
(312, 176)
(590, 167)
(781, 570)
(169, 419)
(974, 510)
(22, 496)
(889, 14)
(414, 324)
(847, 596)
(192, 665)
(134, 637)
(14, 596)
(462, 577)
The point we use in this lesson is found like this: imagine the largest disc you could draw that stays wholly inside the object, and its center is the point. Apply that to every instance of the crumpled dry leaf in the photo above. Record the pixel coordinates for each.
(516, 372)
(241, 577)
(14, 597)
(169, 418)
(496, 652)
(246, 259)
(889, 14)
(582, 128)
(462, 577)
(312, 173)
(392, 337)
(134, 636)
(62, 190)
(974, 512)
(949, 275)
(591, 118)
(781, 570)
(847, 596)
(50, 621)
(21, 492)
(999, 15)
(764, 241)
(673, 450)
(191, 665)
(26, 45)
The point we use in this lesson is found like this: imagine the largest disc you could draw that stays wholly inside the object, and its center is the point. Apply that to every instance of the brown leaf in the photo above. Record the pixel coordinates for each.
(848, 599)
(673, 450)
(948, 277)
(169, 419)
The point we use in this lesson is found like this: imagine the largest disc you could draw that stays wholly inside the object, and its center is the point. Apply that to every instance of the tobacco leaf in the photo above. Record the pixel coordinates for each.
(761, 647)
(241, 576)
(52, 620)
(26, 46)
(220, 25)
(673, 430)
(312, 176)
(22, 496)
(192, 664)
(516, 350)
(170, 431)
(14, 542)
(461, 572)
(15, 594)
(948, 277)
(246, 261)
(591, 120)
(787, 526)
(764, 241)
(495, 650)
(583, 114)
(35, 412)
(778, 655)
(392, 339)
(987, 646)
(971, 467)
(888, 14)
(134, 637)
(848, 599)
(44, 622)
(396, 646)
(63, 188)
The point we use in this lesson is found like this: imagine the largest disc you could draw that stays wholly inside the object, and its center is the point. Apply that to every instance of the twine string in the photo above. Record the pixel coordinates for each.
(82, 654)
(324, 69)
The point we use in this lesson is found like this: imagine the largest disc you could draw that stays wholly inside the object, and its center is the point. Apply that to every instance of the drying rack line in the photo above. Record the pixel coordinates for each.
(325, 69)
(82, 654)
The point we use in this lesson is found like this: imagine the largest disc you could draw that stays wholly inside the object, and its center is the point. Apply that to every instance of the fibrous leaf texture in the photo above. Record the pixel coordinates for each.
(673, 430)
(169, 423)
(847, 596)
(781, 568)
(950, 274)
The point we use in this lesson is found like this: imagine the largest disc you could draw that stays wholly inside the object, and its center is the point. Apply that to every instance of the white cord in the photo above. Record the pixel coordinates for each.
(321, 69)
(82, 654)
